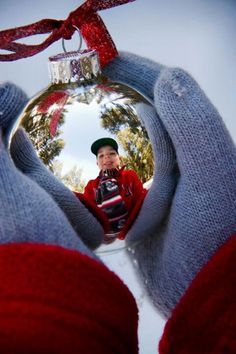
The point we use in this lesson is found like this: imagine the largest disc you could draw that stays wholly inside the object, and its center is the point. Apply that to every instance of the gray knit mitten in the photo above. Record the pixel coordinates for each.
(27, 212)
(83, 222)
(25, 158)
(180, 226)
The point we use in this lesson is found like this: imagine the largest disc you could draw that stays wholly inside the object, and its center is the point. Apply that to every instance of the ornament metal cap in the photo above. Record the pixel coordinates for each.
(80, 66)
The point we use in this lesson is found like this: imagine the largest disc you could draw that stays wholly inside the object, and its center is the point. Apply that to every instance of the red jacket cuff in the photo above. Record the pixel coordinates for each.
(54, 300)
(204, 321)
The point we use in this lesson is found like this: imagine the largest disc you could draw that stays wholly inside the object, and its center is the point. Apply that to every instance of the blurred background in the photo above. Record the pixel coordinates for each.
(198, 36)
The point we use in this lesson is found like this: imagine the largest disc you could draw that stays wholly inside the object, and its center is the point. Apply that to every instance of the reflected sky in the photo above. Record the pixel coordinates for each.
(64, 120)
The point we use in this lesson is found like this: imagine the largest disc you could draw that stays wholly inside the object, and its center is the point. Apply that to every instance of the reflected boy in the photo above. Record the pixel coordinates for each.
(117, 192)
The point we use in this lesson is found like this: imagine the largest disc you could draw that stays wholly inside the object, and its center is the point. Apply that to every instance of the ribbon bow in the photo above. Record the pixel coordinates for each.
(85, 18)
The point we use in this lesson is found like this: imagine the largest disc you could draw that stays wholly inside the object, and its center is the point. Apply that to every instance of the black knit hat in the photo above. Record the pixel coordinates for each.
(103, 142)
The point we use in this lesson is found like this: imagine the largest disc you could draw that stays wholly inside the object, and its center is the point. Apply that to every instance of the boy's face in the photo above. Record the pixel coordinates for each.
(107, 158)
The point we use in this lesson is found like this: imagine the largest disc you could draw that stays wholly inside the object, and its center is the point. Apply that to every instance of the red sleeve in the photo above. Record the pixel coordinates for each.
(204, 321)
(137, 186)
(55, 300)
(139, 193)
(89, 191)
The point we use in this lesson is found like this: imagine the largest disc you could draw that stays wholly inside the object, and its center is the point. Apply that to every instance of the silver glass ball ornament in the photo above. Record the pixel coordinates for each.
(79, 106)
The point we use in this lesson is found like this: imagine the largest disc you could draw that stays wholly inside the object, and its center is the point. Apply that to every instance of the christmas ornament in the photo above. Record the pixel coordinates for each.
(81, 105)
(77, 108)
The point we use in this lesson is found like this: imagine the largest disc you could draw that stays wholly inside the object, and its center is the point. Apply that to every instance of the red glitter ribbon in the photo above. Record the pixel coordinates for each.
(84, 17)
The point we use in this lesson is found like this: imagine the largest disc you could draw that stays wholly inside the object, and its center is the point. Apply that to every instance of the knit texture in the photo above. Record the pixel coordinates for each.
(83, 222)
(204, 321)
(54, 297)
(189, 226)
(28, 213)
(137, 72)
(57, 301)
(12, 101)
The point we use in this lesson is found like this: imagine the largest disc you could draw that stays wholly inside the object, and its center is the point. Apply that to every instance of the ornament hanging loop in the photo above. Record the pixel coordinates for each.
(80, 40)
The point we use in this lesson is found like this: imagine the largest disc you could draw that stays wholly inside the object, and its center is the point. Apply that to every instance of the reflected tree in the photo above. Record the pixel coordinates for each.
(119, 117)
(42, 122)
(139, 155)
(72, 179)
(46, 145)
(46, 115)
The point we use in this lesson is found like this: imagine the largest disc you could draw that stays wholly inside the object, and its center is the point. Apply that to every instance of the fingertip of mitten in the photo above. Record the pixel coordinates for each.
(138, 72)
(12, 101)
(23, 153)
(118, 68)
(19, 139)
(145, 110)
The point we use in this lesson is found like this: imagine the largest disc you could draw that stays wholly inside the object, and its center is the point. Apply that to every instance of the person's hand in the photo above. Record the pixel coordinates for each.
(27, 212)
(26, 160)
(180, 225)
(83, 222)
(52, 285)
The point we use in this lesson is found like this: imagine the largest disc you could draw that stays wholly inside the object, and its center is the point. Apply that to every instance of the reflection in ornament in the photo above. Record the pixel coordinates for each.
(54, 103)
(78, 107)
(122, 262)
(107, 250)
(131, 250)
(140, 299)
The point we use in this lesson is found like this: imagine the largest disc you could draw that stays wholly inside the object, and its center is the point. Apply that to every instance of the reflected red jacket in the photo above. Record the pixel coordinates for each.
(131, 190)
